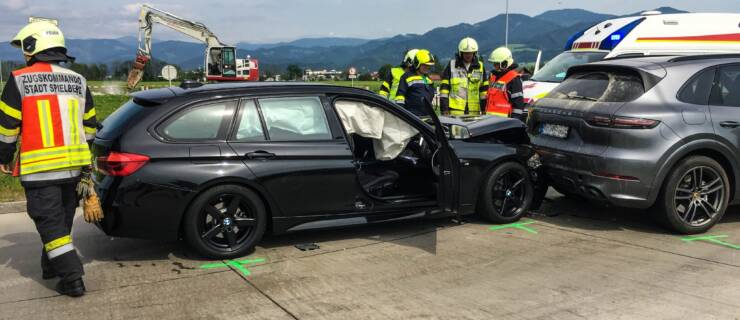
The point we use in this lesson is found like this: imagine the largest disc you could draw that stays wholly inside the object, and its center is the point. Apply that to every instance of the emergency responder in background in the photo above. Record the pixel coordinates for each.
(47, 110)
(505, 93)
(389, 87)
(415, 86)
(464, 85)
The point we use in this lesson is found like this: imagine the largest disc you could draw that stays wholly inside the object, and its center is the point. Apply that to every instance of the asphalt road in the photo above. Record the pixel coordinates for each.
(571, 261)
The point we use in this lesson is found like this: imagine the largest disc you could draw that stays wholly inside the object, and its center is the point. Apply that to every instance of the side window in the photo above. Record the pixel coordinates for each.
(250, 126)
(295, 119)
(696, 90)
(727, 90)
(204, 122)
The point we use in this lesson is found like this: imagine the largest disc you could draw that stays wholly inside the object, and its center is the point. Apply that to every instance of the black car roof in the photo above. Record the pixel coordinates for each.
(162, 95)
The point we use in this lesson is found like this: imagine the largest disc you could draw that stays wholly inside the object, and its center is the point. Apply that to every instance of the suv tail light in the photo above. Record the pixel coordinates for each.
(120, 164)
(621, 122)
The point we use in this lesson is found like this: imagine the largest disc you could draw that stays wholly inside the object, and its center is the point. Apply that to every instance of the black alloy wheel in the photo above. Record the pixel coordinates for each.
(225, 222)
(507, 194)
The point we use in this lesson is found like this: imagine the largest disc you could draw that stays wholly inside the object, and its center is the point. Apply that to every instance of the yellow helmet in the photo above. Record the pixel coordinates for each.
(38, 36)
(423, 56)
(503, 56)
(408, 60)
(467, 45)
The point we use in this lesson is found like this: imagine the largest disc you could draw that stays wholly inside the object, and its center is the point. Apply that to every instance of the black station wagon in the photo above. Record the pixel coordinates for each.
(220, 164)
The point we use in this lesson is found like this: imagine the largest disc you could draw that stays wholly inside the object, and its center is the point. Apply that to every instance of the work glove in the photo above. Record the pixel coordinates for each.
(91, 209)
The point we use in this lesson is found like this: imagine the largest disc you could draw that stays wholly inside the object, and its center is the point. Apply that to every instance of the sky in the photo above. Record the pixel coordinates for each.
(268, 21)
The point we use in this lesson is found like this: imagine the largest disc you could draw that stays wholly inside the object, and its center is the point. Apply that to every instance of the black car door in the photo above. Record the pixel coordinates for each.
(447, 166)
(297, 153)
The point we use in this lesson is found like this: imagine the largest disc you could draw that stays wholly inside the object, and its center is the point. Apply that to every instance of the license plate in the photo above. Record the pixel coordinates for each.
(554, 130)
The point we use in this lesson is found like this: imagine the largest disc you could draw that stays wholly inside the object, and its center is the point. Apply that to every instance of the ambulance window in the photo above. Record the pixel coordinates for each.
(696, 90)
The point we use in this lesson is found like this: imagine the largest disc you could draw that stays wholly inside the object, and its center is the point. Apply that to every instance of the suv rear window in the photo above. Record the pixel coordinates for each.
(602, 86)
(118, 121)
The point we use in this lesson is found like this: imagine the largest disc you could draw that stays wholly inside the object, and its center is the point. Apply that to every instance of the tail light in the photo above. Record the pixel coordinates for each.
(621, 122)
(120, 164)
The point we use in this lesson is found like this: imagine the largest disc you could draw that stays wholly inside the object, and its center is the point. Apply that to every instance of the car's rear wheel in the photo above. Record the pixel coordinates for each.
(506, 194)
(695, 196)
(225, 222)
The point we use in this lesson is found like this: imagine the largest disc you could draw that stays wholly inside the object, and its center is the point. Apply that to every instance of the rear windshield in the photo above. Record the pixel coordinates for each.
(119, 120)
(555, 69)
(600, 86)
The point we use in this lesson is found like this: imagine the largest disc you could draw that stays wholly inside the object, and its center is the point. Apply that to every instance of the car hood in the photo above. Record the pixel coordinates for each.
(482, 125)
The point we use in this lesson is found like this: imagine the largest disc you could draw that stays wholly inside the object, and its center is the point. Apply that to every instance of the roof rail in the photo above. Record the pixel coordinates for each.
(705, 56)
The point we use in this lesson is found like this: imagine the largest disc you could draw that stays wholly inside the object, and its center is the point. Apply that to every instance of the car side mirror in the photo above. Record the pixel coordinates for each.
(458, 132)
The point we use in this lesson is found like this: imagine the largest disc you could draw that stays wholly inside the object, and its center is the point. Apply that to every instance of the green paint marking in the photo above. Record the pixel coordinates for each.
(236, 264)
(712, 239)
(517, 225)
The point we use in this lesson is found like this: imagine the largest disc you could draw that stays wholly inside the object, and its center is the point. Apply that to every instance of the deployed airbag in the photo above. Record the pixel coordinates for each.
(389, 133)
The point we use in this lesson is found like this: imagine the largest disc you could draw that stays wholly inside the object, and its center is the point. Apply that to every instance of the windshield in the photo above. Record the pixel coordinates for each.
(555, 69)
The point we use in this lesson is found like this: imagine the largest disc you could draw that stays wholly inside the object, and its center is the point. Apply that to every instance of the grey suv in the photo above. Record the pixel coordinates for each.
(660, 132)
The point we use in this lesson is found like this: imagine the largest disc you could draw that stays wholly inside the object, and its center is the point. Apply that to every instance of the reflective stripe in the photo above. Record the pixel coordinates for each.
(411, 83)
(8, 139)
(66, 162)
(517, 95)
(53, 175)
(88, 115)
(73, 106)
(444, 95)
(47, 133)
(445, 81)
(42, 153)
(58, 242)
(517, 111)
(400, 99)
(90, 130)
(60, 251)
(9, 132)
(89, 137)
(10, 111)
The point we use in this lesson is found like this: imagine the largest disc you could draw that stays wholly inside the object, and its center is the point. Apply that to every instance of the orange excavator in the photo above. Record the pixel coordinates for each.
(220, 63)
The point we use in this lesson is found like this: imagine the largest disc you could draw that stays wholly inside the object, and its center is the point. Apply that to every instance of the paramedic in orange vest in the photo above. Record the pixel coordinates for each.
(46, 111)
(505, 93)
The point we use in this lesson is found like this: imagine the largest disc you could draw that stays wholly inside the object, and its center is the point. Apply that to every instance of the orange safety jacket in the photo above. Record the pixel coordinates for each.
(498, 103)
(53, 138)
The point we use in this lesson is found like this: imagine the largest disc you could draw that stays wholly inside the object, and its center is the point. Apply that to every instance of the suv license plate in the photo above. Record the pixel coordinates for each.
(554, 130)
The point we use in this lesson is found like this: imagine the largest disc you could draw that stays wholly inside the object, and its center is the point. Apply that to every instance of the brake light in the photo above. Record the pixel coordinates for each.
(120, 164)
(621, 122)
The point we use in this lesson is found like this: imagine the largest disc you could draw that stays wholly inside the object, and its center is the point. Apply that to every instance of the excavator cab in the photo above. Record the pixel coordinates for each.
(221, 63)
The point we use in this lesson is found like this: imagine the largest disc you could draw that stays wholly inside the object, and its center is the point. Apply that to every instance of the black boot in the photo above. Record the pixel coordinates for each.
(74, 288)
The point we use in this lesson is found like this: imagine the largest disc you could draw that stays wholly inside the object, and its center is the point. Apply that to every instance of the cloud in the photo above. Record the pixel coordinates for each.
(15, 4)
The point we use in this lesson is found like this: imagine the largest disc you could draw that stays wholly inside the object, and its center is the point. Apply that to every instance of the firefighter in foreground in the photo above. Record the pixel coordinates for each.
(47, 110)
(464, 84)
(389, 87)
(505, 94)
(415, 86)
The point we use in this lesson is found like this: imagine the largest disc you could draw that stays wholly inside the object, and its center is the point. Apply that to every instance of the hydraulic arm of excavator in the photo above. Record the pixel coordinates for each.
(147, 18)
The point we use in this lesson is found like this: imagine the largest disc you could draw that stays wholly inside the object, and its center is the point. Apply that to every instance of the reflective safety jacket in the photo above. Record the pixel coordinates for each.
(50, 109)
(462, 89)
(389, 87)
(499, 103)
(413, 89)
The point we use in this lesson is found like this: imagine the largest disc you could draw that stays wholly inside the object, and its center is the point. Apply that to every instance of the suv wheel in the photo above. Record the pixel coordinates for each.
(695, 196)
(507, 193)
(225, 222)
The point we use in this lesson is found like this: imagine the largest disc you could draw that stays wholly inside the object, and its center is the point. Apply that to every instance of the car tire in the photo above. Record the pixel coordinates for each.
(675, 212)
(218, 228)
(506, 194)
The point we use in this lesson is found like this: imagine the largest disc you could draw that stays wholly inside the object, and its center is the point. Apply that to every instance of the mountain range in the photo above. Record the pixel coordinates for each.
(527, 35)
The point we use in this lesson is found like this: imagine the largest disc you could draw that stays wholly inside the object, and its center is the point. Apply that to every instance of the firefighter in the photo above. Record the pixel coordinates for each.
(464, 84)
(415, 86)
(505, 94)
(390, 84)
(47, 112)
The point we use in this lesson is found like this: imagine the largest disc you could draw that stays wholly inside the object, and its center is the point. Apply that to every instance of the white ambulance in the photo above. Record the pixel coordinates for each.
(652, 33)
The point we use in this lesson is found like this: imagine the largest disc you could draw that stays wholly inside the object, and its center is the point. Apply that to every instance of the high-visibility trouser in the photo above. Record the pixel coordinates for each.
(52, 209)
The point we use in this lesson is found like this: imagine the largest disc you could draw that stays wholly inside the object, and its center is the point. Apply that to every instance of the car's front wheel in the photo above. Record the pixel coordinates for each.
(695, 195)
(506, 193)
(225, 222)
